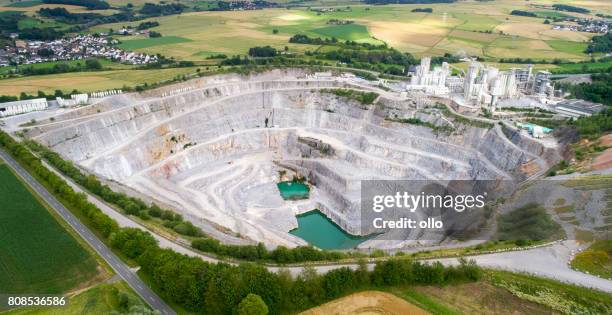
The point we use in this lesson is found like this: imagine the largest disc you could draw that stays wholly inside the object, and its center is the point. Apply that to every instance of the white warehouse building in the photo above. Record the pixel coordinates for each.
(20, 107)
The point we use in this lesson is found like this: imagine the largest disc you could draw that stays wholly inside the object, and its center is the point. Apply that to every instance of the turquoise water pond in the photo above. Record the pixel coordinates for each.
(315, 228)
(293, 190)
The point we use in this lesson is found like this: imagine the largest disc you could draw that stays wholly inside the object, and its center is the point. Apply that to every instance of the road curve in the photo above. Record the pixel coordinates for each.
(120, 267)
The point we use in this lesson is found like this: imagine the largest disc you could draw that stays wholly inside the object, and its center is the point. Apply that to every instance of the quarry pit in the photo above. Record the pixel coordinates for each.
(215, 148)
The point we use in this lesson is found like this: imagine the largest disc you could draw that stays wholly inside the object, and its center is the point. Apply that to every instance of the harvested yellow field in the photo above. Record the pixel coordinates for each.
(87, 81)
(71, 8)
(523, 29)
(368, 302)
(407, 36)
(457, 46)
(292, 17)
(474, 36)
(566, 35)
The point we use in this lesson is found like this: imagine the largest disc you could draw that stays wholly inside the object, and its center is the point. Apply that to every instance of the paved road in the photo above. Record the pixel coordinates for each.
(120, 267)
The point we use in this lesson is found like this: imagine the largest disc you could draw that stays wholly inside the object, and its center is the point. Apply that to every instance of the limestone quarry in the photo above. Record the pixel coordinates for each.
(214, 149)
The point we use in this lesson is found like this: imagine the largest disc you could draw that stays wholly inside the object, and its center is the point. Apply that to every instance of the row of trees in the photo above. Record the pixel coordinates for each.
(596, 125)
(62, 67)
(89, 4)
(598, 91)
(280, 255)
(570, 8)
(424, 10)
(388, 61)
(61, 14)
(265, 51)
(523, 13)
(152, 9)
(224, 289)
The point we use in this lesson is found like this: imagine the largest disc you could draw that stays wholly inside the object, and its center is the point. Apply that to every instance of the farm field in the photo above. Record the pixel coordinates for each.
(596, 259)
(150, 42)
(38, 255)
(498, 292)
(100, 299)
(470, 298)
(477, 28)
(501, 292)
(104, 62)
(30, 7)
(89, 81)
(367, 302)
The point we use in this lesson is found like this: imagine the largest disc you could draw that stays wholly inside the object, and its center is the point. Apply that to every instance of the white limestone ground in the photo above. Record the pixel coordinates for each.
(206, 151)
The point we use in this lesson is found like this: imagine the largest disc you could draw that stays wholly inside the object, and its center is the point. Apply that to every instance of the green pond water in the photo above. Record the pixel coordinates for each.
(316, 229)
(293, 190)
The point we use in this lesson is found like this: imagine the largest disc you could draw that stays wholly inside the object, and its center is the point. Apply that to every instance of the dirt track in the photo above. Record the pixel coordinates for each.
(368, 302)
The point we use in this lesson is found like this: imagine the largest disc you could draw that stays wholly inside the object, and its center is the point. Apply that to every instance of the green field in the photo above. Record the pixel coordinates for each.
(38, 255)
(101, 299)
(89, 81)
(24, 4)
(107, 64)
(561, 297)
(596, 259)
(475, 28)
(567, 46)
(589, 66)
(552, 14)
(352, 32)
(150, 42)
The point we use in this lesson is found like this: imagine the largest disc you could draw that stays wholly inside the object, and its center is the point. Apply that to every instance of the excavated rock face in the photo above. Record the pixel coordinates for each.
(215, 151)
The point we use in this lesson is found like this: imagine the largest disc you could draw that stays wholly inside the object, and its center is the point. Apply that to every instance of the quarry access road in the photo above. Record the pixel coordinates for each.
(548, 261)
(123, 270)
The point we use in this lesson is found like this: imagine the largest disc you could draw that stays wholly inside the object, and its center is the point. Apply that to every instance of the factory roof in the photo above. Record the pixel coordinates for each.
(579, 107)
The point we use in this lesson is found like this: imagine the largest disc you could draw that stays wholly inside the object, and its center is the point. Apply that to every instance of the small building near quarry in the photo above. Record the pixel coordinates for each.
(20, 107)
(577, 108)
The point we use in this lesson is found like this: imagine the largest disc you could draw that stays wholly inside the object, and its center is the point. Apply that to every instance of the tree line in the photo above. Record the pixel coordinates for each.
(570, 8)
(379, 2)
(598, 91)
(523, 13)
(220, 288)
(594, 126)
(89, 4)
(61, 67)
(600, 44)
(424, 10)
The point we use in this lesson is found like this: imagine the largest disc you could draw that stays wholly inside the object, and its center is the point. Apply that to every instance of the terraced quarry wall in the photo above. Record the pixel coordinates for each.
(214, 150)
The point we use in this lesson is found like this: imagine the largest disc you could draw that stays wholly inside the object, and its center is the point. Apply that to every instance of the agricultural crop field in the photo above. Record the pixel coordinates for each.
(106, 64)
(88, 81)
(100, 299)
(38, 255)
(475, 28)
